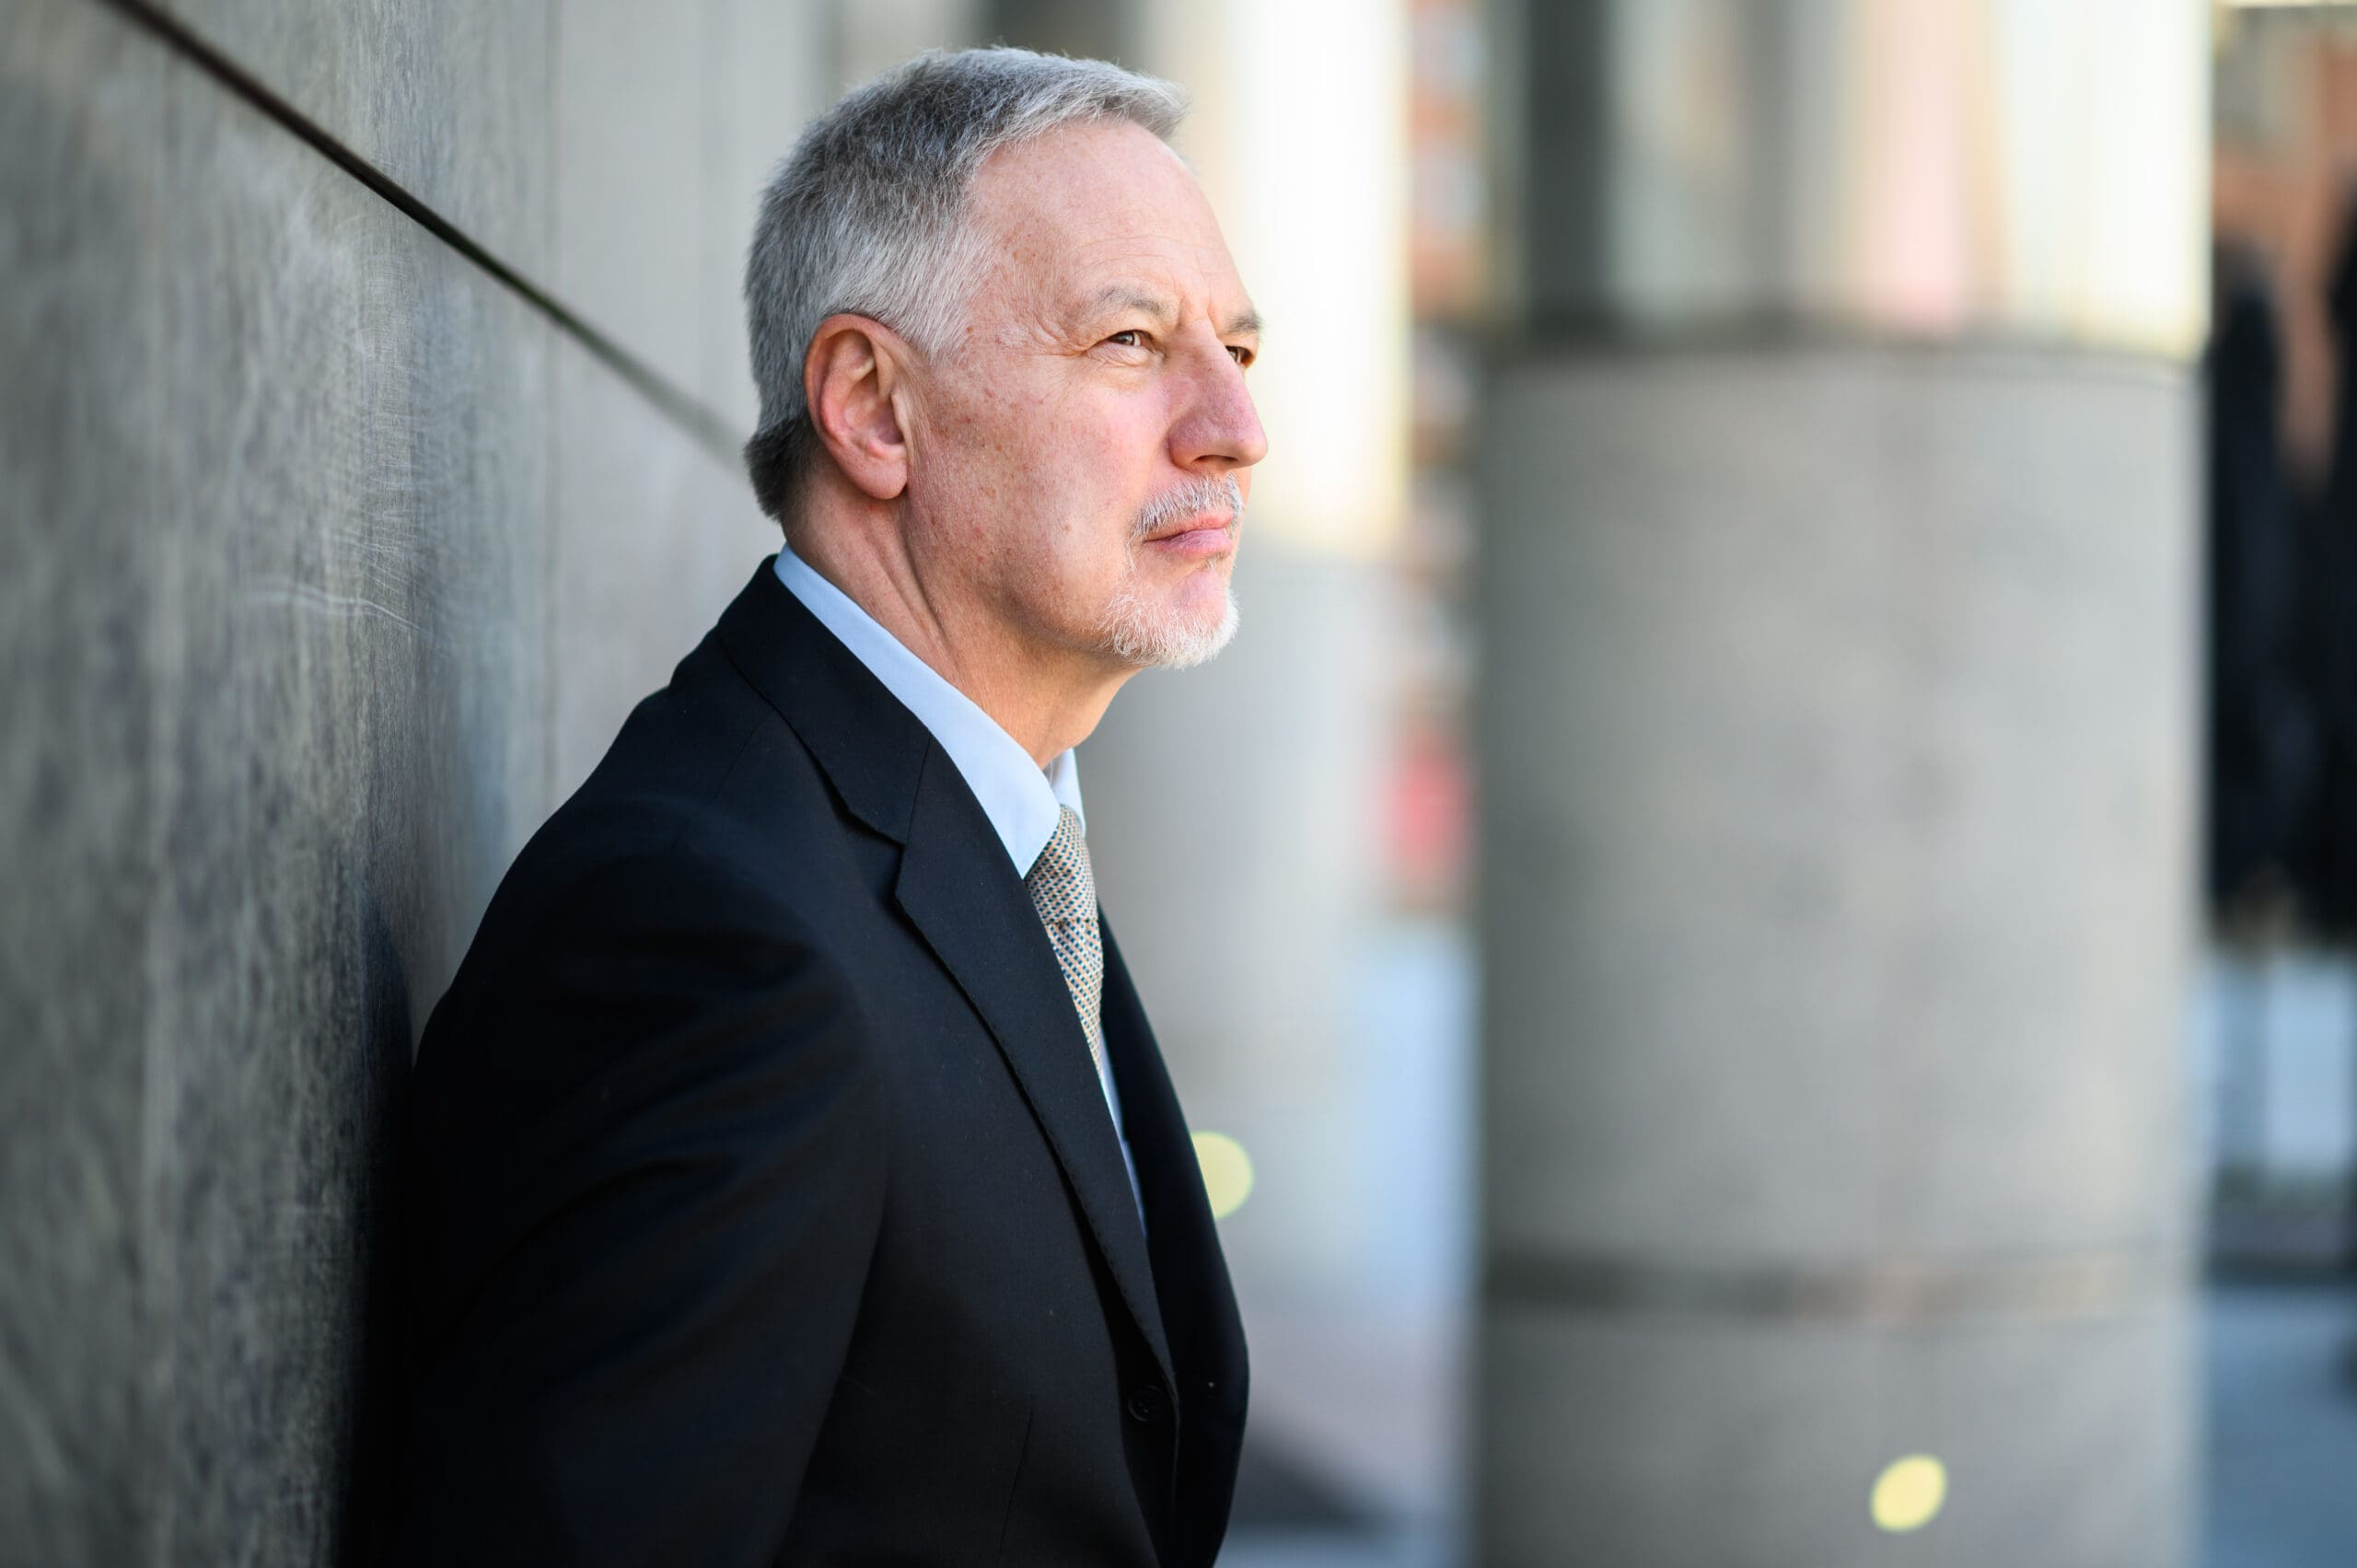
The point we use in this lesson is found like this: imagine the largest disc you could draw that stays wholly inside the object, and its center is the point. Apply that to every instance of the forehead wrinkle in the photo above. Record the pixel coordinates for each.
(1128, 296)
(1147, 257)
(1164, 307)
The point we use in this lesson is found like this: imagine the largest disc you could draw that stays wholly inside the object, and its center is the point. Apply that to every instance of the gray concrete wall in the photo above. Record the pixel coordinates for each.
(330, 561)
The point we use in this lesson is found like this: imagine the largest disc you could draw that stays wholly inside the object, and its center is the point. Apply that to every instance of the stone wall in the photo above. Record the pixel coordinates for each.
(373, 375)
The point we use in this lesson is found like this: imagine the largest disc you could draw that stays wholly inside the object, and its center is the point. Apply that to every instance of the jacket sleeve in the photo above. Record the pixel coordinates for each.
(648, 1174)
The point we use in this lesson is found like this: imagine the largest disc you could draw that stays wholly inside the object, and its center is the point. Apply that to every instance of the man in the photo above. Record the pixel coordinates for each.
(797, 1179)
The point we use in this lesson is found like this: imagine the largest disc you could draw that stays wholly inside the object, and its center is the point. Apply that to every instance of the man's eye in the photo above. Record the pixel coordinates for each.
(1238, 352)
(1129, 337)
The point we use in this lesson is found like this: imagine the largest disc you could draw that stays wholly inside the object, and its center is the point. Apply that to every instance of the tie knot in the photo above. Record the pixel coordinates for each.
(1059, 881)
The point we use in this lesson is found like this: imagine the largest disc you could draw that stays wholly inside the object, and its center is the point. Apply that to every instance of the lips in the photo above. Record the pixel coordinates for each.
(1197, 538)
(1198, 518)
(1208, 522)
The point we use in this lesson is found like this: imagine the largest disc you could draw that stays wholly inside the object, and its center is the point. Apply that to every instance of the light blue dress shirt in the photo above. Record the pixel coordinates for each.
(1022, 801)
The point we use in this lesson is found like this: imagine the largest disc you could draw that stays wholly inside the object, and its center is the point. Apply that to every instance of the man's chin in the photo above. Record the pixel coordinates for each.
(1168, 635)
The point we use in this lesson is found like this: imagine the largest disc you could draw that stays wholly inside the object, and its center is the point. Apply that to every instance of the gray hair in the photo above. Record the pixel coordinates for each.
(867, 216)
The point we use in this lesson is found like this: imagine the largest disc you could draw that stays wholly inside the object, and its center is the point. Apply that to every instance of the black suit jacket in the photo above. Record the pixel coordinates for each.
(764, 1203)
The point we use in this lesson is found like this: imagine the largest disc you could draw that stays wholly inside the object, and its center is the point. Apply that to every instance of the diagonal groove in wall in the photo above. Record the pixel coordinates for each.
(674, 402)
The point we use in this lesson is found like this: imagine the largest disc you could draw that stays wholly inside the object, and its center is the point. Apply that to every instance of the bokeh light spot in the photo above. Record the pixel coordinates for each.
(1227, 1172)
(1909, 1493)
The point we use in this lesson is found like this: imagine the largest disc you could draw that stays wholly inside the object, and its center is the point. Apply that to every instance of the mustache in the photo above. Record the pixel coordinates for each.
(1190, 499)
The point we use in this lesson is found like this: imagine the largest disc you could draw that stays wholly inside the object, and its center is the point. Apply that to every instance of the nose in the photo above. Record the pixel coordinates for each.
(1217, 430)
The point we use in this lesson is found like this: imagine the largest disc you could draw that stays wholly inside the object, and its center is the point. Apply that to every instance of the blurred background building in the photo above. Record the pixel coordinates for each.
(1757, 928)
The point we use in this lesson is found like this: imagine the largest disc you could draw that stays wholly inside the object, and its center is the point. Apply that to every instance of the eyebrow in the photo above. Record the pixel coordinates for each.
(1122, 297)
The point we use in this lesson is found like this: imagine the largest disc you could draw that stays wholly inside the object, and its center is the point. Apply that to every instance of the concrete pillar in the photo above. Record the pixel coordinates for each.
(1837, 754)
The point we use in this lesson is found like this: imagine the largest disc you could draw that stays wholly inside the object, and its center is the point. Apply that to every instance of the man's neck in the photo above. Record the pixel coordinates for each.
(1048, 704)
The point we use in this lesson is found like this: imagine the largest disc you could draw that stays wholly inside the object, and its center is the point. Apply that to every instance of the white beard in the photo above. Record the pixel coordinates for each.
(1131, 632)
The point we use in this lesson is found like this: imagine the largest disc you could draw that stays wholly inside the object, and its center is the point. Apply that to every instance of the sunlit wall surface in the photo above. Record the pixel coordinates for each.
(1300, 134)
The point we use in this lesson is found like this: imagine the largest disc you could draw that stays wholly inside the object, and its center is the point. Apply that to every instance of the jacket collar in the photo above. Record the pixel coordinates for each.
(1022, 799)
(959, 889)
(869, 745)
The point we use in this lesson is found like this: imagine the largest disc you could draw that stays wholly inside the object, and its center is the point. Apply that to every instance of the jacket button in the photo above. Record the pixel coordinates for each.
(1148, 1403)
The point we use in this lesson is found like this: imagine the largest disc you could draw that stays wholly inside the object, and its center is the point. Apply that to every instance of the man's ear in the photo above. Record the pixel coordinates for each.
(854, 379)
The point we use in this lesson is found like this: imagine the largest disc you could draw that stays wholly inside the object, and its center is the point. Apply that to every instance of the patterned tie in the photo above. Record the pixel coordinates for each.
(1064, 893)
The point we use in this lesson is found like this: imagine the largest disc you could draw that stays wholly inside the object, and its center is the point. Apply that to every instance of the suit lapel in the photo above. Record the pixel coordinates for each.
(957, 888)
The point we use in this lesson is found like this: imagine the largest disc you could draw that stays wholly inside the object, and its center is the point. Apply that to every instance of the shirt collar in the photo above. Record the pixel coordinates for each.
(1022, 802)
